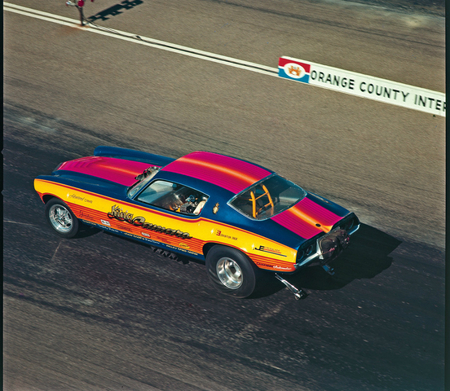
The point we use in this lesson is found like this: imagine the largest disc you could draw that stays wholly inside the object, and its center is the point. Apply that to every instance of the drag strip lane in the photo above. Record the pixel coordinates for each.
(146, 41)
(141, 320)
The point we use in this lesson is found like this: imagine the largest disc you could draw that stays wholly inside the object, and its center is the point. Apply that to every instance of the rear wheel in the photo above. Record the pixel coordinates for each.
(231, 271)
(61, 218)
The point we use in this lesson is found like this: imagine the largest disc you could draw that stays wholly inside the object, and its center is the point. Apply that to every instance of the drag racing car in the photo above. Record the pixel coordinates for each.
(238, 217)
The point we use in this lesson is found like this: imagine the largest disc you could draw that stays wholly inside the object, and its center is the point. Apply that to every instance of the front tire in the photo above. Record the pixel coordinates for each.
(61, 218)
(231, 271)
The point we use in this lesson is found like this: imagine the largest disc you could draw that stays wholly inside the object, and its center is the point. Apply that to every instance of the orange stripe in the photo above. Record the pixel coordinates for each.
(270, 264)
(309, 219)
(227, 170)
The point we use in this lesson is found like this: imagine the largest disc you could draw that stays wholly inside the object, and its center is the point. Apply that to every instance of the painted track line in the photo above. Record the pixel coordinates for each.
(146, 41)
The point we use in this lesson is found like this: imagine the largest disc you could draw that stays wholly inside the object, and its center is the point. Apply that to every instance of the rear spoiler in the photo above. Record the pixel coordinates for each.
(131, 154)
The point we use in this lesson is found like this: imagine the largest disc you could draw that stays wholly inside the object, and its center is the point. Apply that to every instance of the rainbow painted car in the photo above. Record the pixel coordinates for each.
(238, 217)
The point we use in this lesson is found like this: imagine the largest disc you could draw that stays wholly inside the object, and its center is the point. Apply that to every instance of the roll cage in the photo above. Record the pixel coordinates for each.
(267, 198)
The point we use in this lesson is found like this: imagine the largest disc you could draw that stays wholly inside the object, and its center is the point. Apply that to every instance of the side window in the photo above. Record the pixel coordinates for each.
(174, 197)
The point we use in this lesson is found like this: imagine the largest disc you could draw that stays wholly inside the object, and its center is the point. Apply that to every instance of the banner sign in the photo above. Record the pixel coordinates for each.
(364, 86)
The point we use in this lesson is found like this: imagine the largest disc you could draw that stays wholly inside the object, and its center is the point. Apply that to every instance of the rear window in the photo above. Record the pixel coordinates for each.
(267, 198)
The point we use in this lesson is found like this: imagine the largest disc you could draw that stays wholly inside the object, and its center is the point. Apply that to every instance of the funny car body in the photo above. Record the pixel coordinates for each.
(238, 217)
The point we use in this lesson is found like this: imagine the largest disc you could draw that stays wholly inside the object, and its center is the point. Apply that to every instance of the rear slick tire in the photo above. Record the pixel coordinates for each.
(231, 271)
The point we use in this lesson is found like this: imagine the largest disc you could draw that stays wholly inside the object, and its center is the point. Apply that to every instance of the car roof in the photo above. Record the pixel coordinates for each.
(224, 171)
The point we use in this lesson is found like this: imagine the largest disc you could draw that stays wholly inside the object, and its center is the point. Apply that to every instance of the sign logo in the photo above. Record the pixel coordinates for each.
(293, 69)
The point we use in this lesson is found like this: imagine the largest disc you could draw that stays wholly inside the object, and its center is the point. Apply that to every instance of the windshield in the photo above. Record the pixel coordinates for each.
(143, 179)
(267, 198)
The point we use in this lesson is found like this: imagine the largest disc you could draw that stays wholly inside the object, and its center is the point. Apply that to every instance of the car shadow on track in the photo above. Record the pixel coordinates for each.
(114, 10)
(367, 256)
(86, 231)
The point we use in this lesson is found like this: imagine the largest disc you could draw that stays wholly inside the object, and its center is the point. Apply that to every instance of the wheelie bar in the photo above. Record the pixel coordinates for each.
(298, 293)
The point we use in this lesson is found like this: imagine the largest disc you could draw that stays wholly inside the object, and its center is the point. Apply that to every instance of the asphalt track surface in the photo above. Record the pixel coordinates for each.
(103, 313)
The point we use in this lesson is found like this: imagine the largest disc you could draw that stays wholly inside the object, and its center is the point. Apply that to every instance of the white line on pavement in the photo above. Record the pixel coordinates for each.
(130, 37)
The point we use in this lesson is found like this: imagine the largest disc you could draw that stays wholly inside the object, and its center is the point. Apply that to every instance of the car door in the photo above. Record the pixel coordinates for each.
(167, 213)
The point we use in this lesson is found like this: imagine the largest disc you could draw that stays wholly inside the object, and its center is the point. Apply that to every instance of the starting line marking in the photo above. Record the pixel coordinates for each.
(318, 75)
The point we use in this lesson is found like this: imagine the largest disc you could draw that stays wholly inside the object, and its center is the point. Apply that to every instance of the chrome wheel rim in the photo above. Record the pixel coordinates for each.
(229, 273)
(61, 218)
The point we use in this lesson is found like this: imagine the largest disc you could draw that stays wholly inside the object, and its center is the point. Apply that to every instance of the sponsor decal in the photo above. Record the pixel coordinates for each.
(145, 234)
(85, 216)
(282, 268)
(139, 221)
(76, 197)
(105, 222)
(263, 264)
(364, 86)
(219, 233)
(183, 245)
(269, 250)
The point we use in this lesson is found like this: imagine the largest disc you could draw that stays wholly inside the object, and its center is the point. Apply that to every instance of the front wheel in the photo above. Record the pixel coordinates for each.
(61, 218)
(231, 271)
